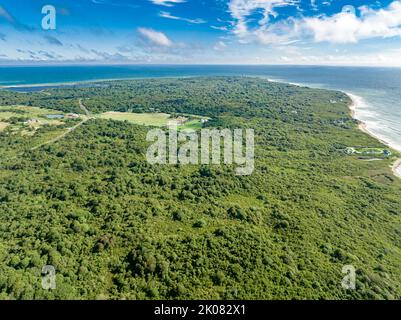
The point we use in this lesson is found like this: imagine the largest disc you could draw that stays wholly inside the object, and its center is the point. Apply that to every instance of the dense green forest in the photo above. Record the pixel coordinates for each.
(116, 227)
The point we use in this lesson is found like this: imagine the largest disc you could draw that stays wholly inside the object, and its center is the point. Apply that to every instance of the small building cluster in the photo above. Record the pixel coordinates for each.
(31, 121)
(73, 116)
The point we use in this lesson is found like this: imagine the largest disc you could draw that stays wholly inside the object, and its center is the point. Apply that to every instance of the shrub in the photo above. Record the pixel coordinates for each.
(200, 224)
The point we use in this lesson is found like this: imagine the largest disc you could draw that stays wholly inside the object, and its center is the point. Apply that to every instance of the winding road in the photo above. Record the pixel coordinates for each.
(69, 130)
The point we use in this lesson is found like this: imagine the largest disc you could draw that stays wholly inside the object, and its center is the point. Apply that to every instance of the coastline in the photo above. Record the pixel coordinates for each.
(356, 101)
(396, 167)
(99, 81)
(84, 82)
(59, 84)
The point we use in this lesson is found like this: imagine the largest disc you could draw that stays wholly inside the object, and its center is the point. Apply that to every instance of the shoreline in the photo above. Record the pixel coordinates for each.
(356, 100)
(58, 84)
(83, 82)
(396, 167)
(99, 81)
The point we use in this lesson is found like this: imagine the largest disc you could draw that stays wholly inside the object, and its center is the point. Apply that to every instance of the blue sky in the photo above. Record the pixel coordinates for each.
(326, 32)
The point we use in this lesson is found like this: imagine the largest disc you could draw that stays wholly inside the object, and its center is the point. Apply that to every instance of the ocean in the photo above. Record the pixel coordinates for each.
(376, 91)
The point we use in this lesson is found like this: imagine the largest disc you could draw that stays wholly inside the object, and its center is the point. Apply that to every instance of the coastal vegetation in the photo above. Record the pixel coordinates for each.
(116, 227)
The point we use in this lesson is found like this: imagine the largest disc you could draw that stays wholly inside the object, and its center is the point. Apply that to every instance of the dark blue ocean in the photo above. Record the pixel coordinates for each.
(377, 91)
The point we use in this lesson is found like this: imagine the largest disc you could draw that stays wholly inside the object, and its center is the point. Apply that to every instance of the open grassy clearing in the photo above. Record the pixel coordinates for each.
(147, 119)
(7, 115)
(154, 119)
(7, 112)
(42, 122)
(195, 124)
(3, 125)
(26, 119)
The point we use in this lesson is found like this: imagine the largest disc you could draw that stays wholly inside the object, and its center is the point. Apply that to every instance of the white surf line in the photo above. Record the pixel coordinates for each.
(363, 126)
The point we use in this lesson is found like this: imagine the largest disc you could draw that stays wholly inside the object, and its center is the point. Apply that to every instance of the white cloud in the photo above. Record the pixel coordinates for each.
(222, 28)
(346, 27)
(220, 46)
(265, 33)
(167, 15)
(167, 3)
(156, 37)
(343, 27)
(241, 10)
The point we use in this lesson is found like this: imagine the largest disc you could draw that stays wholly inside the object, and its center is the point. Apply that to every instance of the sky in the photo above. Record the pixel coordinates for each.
(307, 32)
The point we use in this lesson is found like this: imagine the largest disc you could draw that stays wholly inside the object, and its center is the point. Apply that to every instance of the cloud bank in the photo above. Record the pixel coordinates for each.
(348, 26)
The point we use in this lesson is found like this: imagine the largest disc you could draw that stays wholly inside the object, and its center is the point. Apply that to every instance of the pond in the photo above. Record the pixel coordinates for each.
(54, 116)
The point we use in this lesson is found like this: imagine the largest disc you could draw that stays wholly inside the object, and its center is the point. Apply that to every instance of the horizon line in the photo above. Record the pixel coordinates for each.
(99, 64)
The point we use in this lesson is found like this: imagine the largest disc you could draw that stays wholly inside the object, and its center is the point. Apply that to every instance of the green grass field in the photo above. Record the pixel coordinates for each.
(147, 119)
(152, 119)
(6, 112)
(36, 116)
(194, 124)
(3, 125)
(7, 115)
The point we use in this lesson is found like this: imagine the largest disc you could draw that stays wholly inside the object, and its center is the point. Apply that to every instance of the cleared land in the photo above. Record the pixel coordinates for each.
(147, 119)
(26, 120)
(3, 125)
(153, 119)
(7, 112)
(32, 117)
(194, 124)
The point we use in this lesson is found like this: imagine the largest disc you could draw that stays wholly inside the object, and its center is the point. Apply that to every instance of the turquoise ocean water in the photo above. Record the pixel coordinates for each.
(377, 91)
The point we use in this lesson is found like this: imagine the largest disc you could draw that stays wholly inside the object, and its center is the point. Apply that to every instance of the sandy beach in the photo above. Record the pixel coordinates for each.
(84, 82)
(56, 84)
(396, 167)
